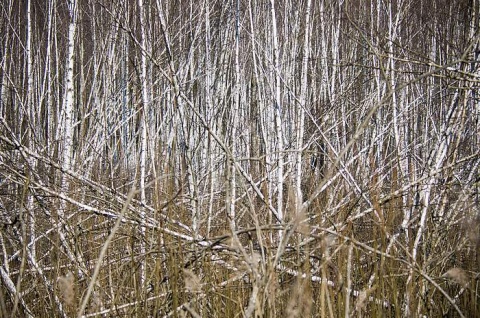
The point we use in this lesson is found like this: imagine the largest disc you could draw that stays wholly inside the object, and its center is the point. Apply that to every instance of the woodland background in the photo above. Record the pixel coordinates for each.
(248, 158)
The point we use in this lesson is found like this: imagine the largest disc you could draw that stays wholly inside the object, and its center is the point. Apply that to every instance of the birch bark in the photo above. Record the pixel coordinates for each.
(143, 137)
(302, 107)
(67, 113)
(277, 109)
(32, 113)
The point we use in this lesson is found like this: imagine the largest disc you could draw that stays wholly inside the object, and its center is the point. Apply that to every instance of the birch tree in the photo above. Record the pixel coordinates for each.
(144, 124)
(301, 108)
(270, 143)
(32, 115)
(277, 110)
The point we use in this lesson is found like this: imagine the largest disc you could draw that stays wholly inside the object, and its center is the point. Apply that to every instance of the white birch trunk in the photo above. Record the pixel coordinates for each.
(68, 111)
(46, 95)
(301, 109)
(68, 104)
(277, 109)
(143, 138)
(399, 122)
(3, 65)
(209, 112)
(66, 127)
(32, 113)
(324, 90)
(231, 179)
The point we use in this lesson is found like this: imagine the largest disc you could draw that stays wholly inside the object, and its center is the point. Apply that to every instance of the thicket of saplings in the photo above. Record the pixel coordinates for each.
(340, 258)
(147, 149)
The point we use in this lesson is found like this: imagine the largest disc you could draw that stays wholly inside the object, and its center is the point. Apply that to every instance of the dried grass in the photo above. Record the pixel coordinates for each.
(66, 287)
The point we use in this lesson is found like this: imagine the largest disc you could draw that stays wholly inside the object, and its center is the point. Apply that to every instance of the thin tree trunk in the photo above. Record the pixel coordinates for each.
(277, 109)
(32, 113)
(143, 136)
(302, 106)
